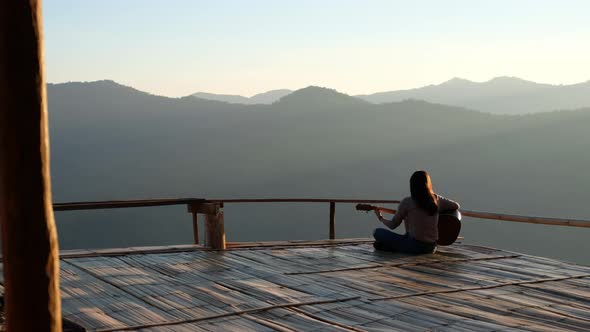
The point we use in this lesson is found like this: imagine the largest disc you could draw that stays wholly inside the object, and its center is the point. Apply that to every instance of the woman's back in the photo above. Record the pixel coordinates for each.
(420, 224)
(419, 212)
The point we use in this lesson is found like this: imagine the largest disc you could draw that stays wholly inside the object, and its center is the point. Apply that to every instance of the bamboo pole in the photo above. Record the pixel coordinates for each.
(29, 237)
(476, 288)
(517, 218)
(527, 219)
(229, 314)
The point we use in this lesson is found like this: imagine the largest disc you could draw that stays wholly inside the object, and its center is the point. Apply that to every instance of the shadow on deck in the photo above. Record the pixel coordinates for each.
(321, 286)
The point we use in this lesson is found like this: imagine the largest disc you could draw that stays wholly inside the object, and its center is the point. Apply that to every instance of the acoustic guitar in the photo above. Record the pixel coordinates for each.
(449, 223)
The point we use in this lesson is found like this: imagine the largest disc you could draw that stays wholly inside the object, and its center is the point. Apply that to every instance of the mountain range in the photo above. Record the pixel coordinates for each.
(111, 142)
(500, 95)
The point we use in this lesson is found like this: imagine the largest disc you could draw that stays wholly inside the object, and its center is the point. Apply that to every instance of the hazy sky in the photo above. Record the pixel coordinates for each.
(175, 48)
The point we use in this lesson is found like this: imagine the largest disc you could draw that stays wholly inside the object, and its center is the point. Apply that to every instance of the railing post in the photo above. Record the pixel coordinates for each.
(215, 229)
(193, 209)
(332, 220)
(214, 224)
(195, 228)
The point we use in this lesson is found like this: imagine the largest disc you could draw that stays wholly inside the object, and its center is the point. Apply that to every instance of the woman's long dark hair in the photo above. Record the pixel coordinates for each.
(422, 193)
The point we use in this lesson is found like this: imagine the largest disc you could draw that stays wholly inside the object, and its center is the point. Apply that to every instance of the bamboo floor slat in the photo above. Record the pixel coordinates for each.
(321, 286)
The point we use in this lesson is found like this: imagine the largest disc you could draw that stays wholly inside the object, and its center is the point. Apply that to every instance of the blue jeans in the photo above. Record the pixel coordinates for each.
(390, 241)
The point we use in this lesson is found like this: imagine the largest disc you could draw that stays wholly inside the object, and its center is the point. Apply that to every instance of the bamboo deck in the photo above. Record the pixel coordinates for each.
(322, 286)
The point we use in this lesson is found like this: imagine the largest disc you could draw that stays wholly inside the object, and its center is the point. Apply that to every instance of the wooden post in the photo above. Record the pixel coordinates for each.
(194, 209)
(215, 231)
(332, 220)
(29, 237)
(195, 228)
(214, 225)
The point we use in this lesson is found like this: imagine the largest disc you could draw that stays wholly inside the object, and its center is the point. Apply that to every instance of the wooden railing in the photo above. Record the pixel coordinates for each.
(212, 209)
(527, 219)
(123, 204)
(332, 202)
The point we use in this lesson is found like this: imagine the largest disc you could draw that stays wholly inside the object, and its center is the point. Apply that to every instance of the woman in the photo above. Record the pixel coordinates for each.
(420, 215)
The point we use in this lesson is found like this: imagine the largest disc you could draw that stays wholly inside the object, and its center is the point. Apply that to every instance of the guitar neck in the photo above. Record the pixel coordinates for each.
(382, 209)
(367, 207)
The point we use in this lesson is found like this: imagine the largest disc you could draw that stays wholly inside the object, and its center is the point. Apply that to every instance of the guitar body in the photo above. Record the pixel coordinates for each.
(449, 227)
(449, 223)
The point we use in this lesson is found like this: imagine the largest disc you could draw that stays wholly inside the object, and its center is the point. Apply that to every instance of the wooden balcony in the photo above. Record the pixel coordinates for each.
(331, 285)
(326, 285)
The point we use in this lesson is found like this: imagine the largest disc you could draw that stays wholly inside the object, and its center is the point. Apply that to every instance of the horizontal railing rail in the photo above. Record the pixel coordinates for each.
(527, 219)
(303, 200)
(72, 206)
(215, 234)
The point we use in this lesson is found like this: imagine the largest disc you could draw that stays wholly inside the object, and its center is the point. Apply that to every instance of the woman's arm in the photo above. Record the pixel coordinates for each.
(445, 204)
(397, 218)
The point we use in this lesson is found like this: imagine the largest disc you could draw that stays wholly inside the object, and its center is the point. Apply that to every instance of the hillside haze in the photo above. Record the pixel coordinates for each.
(268, 97)
(111, 142)
(501, 95)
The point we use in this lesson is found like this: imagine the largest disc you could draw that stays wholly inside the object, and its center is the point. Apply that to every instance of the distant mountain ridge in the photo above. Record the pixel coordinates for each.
(268, 97)
(500, 95)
